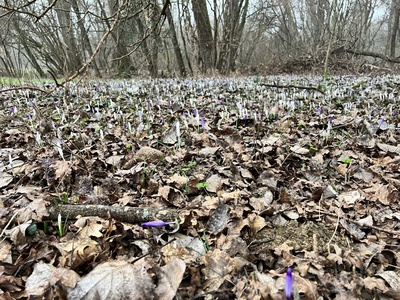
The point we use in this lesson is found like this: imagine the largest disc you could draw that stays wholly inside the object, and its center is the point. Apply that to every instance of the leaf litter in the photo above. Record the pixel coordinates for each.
(253, 182)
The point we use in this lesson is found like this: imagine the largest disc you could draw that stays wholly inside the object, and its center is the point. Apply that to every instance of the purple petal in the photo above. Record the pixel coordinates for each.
(156, 223)
(288, 284)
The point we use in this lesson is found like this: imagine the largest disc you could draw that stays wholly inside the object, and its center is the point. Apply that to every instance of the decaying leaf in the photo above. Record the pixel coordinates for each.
(46, 276)
(219, 219)
(114, 280)
(121, 280)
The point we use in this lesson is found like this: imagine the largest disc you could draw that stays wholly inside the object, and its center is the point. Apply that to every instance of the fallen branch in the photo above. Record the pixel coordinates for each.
(120, 213)
(373, 54)
(280, 86)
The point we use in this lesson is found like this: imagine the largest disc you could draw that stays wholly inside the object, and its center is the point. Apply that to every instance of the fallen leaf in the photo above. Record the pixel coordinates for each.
(45, 276)
(114, 280)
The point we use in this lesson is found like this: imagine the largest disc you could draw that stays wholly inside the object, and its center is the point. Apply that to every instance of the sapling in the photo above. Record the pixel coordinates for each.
(202, 185)
(346, 160)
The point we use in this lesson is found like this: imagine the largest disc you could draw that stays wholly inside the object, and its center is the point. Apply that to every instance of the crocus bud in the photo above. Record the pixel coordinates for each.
(156, 224)
(288, 284)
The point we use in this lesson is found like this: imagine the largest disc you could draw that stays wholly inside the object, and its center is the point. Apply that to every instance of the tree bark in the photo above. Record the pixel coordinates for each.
(121, 54)
(24, 41)
(395, 28)
(72, 60)
(120, 213)
(177, 49)
(84, 35)
(205, 38)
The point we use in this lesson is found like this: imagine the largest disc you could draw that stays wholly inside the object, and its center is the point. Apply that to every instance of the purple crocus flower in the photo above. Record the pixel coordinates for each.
(156, 224)
(203, 123)
(319, 111)
(288, 284)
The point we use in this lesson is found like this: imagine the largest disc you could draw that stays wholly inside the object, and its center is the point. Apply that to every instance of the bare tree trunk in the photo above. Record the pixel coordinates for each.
(206, 41)
(148, 53)
(394, 27)
(23, 38)
(181, 15)
(72, 59)
(121, 54)
(177, 50)
(84, 35)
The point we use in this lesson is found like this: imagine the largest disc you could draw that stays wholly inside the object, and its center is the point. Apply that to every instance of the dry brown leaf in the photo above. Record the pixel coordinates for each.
(149, 155)
(5, 179)
(172, 196)
(184, 247)
(114, 280)
(17, 234)
(10, 284)
(219, 266)
(5, 252)
(299, 150)
(350, 197)
(256, 223)
(214, 183)
(179, 181)
(384, 193)
(392, 278)
(169, 279)
(219, 219)
(79, 250)
(45, 276)
(114, 160)
(62, 168)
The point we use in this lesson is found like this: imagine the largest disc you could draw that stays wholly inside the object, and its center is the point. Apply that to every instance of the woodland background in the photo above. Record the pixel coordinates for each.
(198, 37)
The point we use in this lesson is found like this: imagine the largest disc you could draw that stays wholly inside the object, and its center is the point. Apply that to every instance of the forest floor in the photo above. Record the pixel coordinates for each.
(247, 177)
